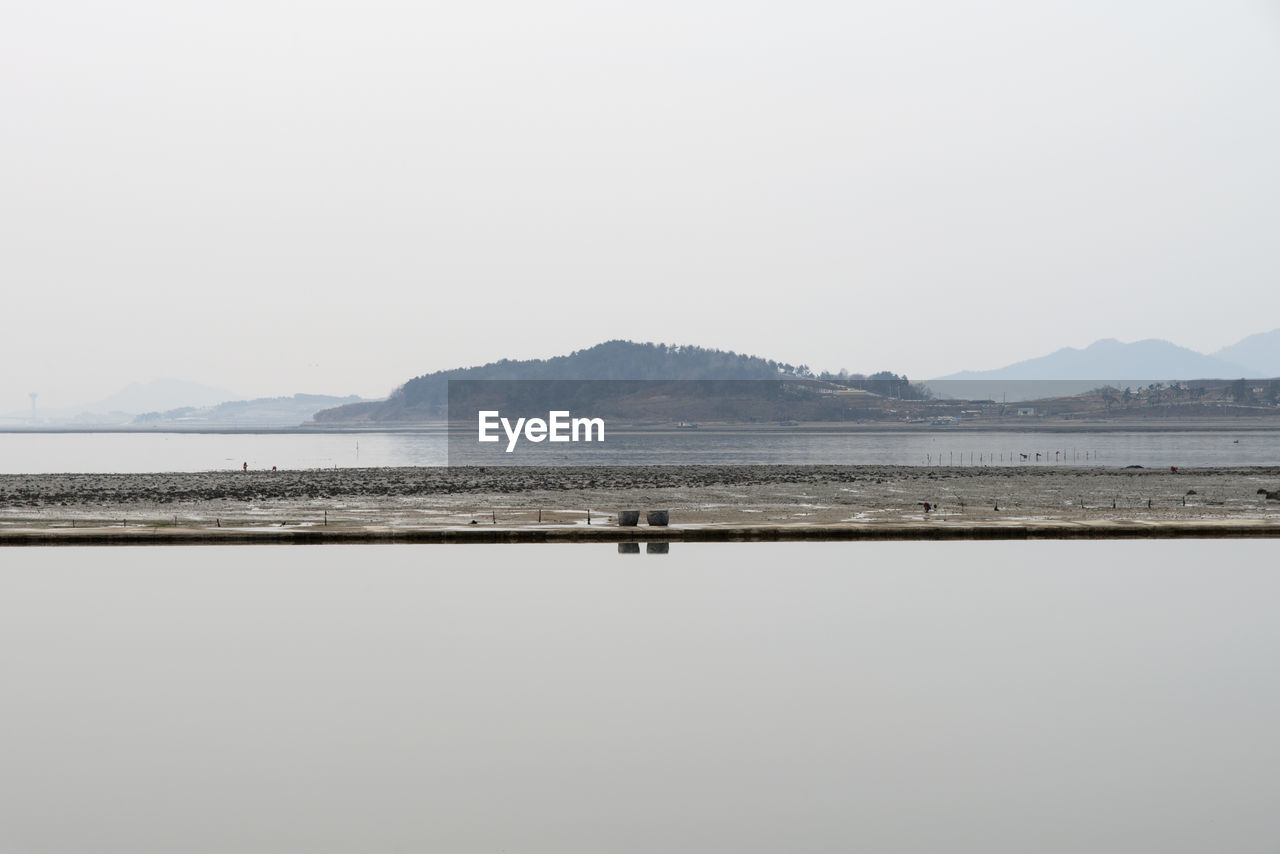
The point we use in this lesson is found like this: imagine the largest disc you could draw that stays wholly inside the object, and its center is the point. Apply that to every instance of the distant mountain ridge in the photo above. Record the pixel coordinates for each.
(160, 394)
(1072, 370)
(119, 408)
(1109, 359)
(259, 412)
(177, 403)
(1260, 352)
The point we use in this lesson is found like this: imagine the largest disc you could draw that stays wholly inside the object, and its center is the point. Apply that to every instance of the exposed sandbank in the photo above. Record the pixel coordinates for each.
(738, 502)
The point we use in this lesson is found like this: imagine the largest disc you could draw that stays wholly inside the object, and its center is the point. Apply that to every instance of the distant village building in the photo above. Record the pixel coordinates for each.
(1026, 410)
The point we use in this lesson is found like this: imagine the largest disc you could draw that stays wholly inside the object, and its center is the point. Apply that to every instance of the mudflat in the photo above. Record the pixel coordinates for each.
(698, 497)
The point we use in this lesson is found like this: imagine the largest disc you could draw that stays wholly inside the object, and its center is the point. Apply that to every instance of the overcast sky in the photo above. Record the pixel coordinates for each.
(334, 197)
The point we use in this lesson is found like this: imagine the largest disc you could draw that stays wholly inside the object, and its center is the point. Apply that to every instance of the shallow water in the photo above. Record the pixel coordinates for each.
(758, 697)
(32, 453)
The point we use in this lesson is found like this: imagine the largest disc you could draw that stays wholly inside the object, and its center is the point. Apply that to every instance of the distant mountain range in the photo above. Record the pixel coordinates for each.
(260, 412)
(1071, 370)
(1257, 356)
(120, 408)
(1110, 359)
(160, 395)
(177, 403)
(1066, 371)
(1260, 353)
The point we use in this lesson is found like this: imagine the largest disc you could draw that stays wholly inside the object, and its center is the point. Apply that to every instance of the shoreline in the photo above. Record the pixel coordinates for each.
(1246, 424)
(606, 534)
(567, 504)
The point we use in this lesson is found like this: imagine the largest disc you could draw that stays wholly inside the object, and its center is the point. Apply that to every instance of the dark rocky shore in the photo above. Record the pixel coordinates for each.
(49, 490)
(44, 490)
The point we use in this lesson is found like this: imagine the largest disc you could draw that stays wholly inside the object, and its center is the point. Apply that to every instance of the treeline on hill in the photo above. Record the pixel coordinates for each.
(883, 383)
(426, 397)
(1174, 399)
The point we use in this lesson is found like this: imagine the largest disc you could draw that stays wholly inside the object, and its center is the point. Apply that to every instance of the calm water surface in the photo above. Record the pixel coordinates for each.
(913, 697)
(26, 453)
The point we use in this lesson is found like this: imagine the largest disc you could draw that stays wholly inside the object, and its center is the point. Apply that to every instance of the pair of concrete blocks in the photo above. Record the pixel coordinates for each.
(655, 518)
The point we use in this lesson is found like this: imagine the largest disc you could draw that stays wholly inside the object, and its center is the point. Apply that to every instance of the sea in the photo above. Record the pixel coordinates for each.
(1048, 696)
(764, 697)
(35, 452)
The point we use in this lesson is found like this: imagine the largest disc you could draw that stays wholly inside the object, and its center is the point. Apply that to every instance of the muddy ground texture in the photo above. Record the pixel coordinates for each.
(694, 495)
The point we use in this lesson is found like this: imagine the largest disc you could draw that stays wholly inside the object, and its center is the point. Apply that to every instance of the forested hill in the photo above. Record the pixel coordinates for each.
(620, 360)
(426, 397)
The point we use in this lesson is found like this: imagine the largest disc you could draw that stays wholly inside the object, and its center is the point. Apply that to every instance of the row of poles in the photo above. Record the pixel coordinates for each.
(1011, 457)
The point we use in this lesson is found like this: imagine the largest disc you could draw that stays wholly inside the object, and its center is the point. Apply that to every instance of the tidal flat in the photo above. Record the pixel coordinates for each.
(587, 499)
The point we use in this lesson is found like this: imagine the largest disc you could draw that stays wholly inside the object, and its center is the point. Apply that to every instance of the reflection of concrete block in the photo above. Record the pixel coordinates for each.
(628, 518)
(658, 517)
(628, 548)
(657, 548)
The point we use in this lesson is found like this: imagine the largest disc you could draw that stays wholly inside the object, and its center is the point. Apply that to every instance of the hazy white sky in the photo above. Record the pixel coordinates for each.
(334, 197)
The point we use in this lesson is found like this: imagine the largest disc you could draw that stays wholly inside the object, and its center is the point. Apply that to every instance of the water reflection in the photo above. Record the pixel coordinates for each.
(763, 697)
(660, 548)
